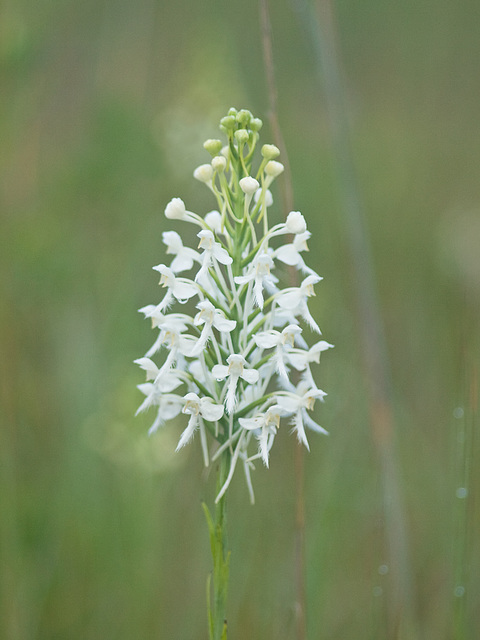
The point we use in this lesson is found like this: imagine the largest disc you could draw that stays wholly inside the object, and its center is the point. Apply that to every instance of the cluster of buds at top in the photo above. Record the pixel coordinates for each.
(230, 358)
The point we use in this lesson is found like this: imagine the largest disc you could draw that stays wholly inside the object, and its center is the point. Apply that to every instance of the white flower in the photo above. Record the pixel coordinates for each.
(234, 371)
(273, 338)
(203, 173)
(210, 317)
(300, 358)
(198, 408)
(175, 210)
(214, 220)
(259, 272)
(295, 223)
(296, 298)
(268, 197)
(184, 256)
(212, 251)
(297, 404)
(249, 185)
(179, 288)
(172, 322)
(274, 168)
(169, 404)
(219, 163)
(265, 426)
(290, 253)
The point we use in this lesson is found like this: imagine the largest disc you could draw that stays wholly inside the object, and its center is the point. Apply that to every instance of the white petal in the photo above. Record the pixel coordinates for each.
(210, 411)
(182, 262)
(244, 279)
(288, 403)
(298, 360)
(149, 366)
(170, 406)
(250, 375)
(288, 255)
(311, 424)
(290, 299)
(223, 324)
(173, 241)
(184, 290)
(221, 254)
(252, 423)
(267, 339)
(220, 371)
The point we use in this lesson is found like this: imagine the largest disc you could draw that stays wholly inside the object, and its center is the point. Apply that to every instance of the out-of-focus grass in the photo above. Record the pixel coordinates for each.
(104, 110)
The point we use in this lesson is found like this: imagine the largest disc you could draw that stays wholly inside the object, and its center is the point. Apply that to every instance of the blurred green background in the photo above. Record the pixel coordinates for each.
(104, 109)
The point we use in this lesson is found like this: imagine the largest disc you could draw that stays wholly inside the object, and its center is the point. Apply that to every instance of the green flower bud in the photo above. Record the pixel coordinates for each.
(228, 123)
(213, 147)
(241, 136)
(244, 117)
(232, 112)
(270, 151)
(256, 124)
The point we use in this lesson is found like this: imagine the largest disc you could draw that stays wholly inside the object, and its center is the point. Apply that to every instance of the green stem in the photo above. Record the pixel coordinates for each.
(217, 584)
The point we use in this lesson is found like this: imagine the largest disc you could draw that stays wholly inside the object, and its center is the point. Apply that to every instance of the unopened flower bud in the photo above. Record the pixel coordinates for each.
(296, 223)
(175, 209)
(249, 185)
(273, 168)
(219, 163)
(268, 197)
(203, 173)
(256, 124)
(232, 112)
(243, 117)
(241, 136)
(214, 221)
(213, 146)
(228, 123)
(270, 151)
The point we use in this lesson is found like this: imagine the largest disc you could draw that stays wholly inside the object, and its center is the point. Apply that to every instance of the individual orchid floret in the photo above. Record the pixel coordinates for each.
(204, 173)
(249, 185)
(264, 426)
(259, 274)
(179, 288)
(184, 256)
(297, 404)
(272, 170)
(211, 318)
(295, 223)
(235, 370)
(296, 298)
(300, 358)
(219, 164)
(213, 219)
(290, 253)
(279, 340)
(268, 196)
(198, 408)
(169, 404)
(176, 210)
(211, 251)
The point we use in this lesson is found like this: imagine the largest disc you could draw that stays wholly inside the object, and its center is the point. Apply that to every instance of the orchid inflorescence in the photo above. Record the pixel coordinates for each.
(229, 363)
